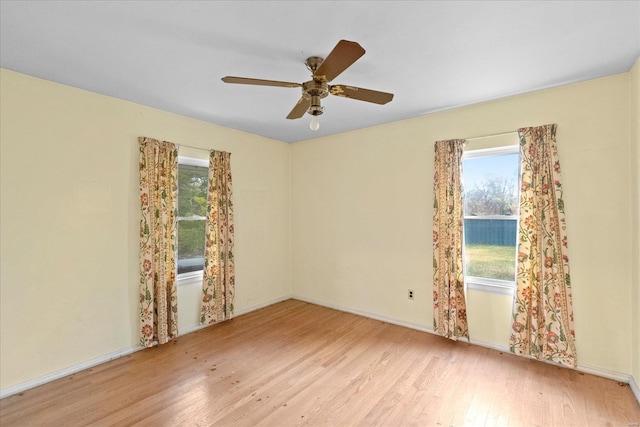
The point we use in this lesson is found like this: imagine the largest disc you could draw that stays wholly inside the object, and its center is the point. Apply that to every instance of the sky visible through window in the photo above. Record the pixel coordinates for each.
(478, 170)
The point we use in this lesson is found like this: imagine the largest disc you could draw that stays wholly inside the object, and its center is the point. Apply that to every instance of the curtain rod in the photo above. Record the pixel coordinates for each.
(185, 145)
(492, 135)
(180, 145)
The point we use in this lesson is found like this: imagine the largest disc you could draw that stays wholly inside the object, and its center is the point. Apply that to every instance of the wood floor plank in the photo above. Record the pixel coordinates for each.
(299, 364)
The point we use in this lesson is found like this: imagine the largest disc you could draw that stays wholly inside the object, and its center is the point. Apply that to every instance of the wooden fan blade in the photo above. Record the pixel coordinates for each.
(341, 57)
(361, 94)
(301, 107)
(259, 82)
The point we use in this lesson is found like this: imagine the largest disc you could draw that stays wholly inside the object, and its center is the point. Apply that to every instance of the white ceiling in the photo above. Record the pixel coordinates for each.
(432, 55)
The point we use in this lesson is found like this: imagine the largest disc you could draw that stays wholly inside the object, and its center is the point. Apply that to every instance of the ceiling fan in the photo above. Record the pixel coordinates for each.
(323, 71)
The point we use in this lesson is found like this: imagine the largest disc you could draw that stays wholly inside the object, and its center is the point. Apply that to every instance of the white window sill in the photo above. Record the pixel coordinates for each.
(189, 278)
(494, 286)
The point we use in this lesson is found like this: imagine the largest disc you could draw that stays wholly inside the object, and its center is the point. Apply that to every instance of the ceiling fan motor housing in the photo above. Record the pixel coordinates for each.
(315, 90)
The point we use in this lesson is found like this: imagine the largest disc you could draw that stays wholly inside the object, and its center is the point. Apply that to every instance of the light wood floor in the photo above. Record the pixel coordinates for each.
(297, 364)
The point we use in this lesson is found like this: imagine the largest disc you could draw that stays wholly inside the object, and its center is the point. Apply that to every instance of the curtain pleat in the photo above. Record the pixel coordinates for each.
(543, 310)
(449, 304)
(158, 228)
(218, 286)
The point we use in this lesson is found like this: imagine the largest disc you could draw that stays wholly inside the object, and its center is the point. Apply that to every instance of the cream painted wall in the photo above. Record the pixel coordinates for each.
(361, 210)
(69, 222)
(634, 77)
(343, 220)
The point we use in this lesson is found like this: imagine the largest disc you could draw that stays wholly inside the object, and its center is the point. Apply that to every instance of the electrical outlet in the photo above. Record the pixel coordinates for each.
(410, 293)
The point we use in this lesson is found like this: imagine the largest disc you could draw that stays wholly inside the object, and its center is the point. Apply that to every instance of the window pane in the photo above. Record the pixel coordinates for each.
(490, 187)
(192, 190)
(192, 202)
(491, 261)
(190, 246)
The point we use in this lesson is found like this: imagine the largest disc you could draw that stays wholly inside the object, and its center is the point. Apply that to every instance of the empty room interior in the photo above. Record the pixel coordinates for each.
(307, 274)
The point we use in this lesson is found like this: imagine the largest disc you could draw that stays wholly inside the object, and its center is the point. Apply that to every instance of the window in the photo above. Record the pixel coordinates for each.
(490, 185)
(193, 180)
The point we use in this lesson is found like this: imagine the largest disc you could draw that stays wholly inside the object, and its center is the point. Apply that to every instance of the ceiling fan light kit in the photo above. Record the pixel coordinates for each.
(323, 71)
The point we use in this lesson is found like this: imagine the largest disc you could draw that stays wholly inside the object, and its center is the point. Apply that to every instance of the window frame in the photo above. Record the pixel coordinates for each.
(191, 276)
(486, 284)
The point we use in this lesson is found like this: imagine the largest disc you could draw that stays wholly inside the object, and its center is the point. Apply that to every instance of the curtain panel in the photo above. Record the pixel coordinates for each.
(449, 304)
(218, 286)
(158, 225)
(543, 310)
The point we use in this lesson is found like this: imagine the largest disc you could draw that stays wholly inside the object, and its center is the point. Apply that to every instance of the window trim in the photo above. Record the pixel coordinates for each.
(193, 161)
(494, 286)
(191, 276)
(490, 152)
(486, 284)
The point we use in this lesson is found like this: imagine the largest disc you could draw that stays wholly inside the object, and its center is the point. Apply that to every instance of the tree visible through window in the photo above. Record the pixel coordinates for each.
(192, 207)
(490, 186)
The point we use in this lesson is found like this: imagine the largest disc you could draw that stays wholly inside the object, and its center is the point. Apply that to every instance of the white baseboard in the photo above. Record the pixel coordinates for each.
(9, 391)
(616, 376)
(19, 388)
(255, 307)
(364, 314)
(241, 312)
(634, 387)
(605, 373)
(599, 372)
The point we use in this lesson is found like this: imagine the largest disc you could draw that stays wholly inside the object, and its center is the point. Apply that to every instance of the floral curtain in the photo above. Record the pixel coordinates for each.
(543, 313)
(218, 287)
(449, 305)
(158, 195)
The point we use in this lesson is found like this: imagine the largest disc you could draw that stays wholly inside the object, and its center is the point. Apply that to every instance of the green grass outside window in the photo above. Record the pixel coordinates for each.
(491, 261)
